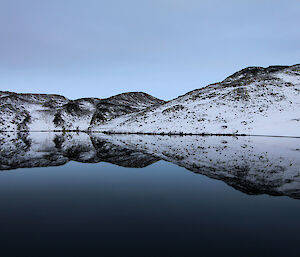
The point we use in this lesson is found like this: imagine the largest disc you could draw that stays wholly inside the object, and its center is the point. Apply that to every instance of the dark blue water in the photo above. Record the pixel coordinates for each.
(160, 210)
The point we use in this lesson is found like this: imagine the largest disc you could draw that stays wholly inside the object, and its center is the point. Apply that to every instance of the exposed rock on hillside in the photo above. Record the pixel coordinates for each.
(127, 103)
(39, 112)
(255, 100)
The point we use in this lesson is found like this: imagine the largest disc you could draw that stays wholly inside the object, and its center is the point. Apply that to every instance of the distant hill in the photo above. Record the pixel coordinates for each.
(39, 112)
(255, 100)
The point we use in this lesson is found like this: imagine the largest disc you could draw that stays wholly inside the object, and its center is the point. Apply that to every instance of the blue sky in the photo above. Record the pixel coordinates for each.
(100, 48)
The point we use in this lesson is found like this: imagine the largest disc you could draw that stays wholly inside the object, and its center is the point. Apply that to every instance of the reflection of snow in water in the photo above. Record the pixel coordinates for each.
(253, 165)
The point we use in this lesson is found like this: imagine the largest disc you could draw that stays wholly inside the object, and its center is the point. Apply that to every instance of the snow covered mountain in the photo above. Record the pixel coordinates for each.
(255, 100)
(253, 165)
(41, 112)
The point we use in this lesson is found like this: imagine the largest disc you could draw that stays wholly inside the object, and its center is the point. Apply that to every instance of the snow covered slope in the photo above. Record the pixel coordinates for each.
(255, 100)
(41, 112)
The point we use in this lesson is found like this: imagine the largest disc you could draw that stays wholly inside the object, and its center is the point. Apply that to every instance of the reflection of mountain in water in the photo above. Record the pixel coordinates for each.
(25, 150)
(249, 164)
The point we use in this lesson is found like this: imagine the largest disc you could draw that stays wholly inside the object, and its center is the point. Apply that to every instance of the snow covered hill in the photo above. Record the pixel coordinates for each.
(255, 100)
(41, 112)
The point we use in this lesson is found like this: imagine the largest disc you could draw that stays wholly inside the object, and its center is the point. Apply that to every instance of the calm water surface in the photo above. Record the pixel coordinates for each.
(162, 209)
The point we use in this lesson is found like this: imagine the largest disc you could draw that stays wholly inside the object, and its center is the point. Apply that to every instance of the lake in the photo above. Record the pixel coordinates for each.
(133, 195)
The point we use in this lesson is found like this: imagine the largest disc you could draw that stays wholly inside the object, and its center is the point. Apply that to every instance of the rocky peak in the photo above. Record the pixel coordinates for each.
(250, 73)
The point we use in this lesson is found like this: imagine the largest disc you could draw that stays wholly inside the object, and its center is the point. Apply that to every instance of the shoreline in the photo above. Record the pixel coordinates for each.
(147, 133)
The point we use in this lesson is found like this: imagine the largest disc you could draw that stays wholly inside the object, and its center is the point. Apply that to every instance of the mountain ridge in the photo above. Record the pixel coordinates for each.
(254, 100)
(55, 112)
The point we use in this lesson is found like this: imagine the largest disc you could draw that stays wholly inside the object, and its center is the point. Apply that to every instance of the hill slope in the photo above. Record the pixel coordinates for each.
(38, 112)
(255, 100)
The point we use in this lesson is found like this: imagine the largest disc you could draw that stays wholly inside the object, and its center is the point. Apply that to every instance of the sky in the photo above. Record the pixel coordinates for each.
(99, 48)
